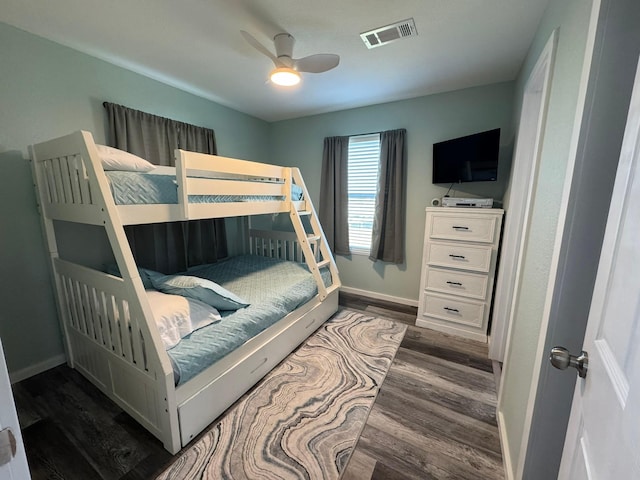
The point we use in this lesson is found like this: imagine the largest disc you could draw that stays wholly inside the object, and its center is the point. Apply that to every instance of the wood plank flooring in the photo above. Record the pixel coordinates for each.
(434, 417)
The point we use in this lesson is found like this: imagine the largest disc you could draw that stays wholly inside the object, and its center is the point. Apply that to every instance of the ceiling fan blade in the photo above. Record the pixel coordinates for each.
(318, 63)
(258, 46)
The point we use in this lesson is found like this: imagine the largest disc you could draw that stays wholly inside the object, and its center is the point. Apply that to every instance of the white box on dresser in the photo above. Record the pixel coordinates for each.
(458, 270)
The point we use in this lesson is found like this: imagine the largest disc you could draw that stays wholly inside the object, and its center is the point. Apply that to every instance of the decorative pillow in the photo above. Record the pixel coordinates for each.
(201, 289)
(114, 159)
(145, 275)
(177, 316)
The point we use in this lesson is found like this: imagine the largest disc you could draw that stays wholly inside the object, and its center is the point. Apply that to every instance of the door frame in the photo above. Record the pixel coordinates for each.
(557, 280)
(518, 206)
(17, 468)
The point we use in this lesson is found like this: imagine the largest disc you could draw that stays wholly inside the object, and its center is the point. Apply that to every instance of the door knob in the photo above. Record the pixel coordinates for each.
(561, 359)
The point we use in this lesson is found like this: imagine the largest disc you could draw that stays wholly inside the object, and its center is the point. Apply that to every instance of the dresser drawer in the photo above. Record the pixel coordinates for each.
(466, 284)
(464, 312)
(467, 257)
(469, 228)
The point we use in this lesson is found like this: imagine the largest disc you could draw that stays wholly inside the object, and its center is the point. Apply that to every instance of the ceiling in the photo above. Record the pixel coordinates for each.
(196, 45)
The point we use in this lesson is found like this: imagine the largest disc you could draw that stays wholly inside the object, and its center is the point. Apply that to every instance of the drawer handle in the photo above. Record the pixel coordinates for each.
(264, 360)
(457, 257)
(459, 227)
(457, 284)
(452, 310)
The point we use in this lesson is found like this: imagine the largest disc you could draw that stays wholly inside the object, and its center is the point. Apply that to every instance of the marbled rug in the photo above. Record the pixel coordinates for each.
(304, 418)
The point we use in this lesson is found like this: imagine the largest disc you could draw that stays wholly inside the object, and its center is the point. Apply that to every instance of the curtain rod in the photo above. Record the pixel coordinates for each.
(373, 133)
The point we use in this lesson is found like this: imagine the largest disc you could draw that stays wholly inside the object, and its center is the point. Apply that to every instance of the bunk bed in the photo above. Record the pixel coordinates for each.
(107, 319)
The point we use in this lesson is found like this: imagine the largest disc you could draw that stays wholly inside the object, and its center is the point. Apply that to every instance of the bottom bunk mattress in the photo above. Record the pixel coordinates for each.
(273, 288)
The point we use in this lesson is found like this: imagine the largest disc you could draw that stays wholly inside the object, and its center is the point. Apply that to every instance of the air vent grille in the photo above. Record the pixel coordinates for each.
(389, 33)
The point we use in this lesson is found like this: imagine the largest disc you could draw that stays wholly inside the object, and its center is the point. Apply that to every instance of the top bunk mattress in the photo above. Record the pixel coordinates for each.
(136, 188)
(273, 288)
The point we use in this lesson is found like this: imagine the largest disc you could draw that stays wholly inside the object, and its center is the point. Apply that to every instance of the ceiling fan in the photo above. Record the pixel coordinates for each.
(287, 69)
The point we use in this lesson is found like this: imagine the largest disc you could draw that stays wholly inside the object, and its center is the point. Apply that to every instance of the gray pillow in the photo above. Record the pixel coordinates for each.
(145, 275)
(199, 288)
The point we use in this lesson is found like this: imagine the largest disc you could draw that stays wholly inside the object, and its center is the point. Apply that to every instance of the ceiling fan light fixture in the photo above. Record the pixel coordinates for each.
(286, 77)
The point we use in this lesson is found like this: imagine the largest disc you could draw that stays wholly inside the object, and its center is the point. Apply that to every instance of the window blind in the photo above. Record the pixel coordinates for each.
(363, 168)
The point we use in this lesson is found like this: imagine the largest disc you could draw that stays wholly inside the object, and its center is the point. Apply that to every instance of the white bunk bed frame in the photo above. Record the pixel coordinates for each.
(109, 332)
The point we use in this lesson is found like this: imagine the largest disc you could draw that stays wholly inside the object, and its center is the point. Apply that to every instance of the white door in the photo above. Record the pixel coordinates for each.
(603, 436)
(11, 467)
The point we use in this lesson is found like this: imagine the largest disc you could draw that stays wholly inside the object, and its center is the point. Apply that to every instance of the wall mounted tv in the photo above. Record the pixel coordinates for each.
(473, 158)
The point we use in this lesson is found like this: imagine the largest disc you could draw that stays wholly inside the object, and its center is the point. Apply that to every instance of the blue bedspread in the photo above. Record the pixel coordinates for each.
(135, 188)
(273, 288)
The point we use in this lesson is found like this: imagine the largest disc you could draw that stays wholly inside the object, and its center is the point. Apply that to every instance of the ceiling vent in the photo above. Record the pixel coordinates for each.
(389, 33)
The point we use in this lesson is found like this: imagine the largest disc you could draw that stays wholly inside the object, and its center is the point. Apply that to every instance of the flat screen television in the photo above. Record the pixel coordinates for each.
(473, 158)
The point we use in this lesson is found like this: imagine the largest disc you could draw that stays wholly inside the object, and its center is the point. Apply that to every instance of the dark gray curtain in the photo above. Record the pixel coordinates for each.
(196, 139)
(148, 136)
(388, 236)
(158, 246)
(332, 210)
(206, 238)
(166, 247)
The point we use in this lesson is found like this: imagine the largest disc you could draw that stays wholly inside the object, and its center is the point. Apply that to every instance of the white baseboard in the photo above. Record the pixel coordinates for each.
(32, 370)
(506, 453)
(380, 296)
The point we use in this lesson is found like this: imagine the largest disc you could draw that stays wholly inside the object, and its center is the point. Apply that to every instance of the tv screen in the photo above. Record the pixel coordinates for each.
(473, 158)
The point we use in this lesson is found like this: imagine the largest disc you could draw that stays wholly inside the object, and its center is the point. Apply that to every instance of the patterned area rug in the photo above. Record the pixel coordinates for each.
(303, 419)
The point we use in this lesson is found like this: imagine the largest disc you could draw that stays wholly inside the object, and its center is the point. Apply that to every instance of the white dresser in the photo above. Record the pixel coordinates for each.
(458, 270)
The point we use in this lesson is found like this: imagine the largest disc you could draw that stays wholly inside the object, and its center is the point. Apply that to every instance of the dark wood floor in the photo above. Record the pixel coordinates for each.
(434, 417)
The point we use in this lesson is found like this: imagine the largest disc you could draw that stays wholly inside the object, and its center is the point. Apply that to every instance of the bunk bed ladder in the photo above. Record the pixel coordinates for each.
(320, 255)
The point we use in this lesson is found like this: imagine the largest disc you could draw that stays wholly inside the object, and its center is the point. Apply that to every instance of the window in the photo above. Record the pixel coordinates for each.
(363, 168)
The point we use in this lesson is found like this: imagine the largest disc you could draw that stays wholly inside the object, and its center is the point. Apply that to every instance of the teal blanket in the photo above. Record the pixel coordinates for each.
(135, 188)
(273, 288)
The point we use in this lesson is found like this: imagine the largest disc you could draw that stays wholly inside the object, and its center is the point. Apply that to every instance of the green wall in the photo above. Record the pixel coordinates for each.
(427, 119)
(47, 90)
(571, 17)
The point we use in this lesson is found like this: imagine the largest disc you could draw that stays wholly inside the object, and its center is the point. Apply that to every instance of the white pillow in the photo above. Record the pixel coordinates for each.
(177, 316)
(114, 159)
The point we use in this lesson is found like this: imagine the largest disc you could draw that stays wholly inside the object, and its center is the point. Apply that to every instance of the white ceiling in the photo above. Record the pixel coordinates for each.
(196, 45)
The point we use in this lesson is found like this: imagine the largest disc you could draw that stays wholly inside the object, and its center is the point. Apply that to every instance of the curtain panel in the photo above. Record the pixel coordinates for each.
(196, 139)
(333, 208)
(148, 136)
(175, 246)
(388, 237)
